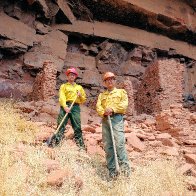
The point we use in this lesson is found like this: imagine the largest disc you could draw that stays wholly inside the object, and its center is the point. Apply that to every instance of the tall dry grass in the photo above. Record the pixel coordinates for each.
(13, 128)
(26, 175)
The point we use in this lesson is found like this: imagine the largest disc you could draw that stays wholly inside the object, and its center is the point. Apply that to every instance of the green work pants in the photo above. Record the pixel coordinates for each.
(119, 137)
(74, 117)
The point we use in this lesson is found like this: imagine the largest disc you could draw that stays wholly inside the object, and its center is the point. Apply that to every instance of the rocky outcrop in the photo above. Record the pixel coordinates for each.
(49, 8)
(172, 19)
(126, 48)
(130, 35)
(17, 36)
(51, 46)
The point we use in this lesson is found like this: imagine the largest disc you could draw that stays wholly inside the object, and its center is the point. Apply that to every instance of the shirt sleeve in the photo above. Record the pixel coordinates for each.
(99, 107)
(62, 97)
(82, 99)
(122, 105)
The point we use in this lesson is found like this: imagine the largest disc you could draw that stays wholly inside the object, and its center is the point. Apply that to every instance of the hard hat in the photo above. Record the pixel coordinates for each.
(72, 70)
(108, 75)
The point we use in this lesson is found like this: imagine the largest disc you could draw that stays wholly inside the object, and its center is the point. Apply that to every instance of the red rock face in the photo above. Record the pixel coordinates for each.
(127, 85)
(124, 46)
(161, 86)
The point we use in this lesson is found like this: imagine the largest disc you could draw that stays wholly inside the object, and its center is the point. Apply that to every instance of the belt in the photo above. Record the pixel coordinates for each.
(117, 114)
(69, 103)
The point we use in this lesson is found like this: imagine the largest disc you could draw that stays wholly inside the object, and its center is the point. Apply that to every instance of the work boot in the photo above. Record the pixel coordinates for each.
(52, 142)
(80, 144)
(125, 170)
(113, 175)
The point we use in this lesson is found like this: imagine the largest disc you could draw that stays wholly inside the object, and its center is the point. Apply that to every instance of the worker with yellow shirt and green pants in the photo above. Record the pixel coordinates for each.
(113, 102)
(68, 93)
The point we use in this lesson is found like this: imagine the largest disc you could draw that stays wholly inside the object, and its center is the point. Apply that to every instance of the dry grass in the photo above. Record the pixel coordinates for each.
(29, 176)
(13, 128)
(158, 177)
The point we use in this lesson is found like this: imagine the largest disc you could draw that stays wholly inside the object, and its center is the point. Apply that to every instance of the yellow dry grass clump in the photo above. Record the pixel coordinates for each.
(27, 176)
(13, 128)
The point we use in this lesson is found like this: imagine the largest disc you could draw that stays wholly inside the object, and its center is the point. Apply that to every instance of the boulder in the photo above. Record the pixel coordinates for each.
(52, 47)
(170, 151)
(51, 165)
(17, 39)
(89, 128)
(190, 158)
(135, 142)
(132, 68)
(57, 177)
(80, 61)
(185, 168)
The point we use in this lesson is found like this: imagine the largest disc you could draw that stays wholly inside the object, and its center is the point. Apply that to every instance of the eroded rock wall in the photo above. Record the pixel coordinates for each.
(34, 38)
(44, 87)
(161, 86)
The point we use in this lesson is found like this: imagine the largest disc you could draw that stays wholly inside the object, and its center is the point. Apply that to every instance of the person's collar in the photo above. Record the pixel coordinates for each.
(111, 90)
(71, 84)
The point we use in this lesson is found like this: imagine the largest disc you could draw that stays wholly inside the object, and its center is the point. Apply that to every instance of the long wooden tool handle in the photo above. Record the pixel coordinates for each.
(114, 145)
(65, 116)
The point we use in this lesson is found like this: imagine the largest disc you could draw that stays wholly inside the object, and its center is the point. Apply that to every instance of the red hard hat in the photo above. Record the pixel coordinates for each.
(71, 70)
(108, 75)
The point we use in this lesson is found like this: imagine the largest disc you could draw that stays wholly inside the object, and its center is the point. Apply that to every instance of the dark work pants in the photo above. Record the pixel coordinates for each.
(74, 117)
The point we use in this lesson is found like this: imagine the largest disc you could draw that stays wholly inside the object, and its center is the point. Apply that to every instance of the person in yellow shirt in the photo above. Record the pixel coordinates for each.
(69, 92)
(113, 102)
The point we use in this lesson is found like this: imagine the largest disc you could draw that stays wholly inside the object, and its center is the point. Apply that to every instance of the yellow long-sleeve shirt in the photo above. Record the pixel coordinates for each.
(68, 92)
(116, 99)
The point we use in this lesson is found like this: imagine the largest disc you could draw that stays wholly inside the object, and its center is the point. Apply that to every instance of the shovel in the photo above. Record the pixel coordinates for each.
(50, 139)
(114, 145)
